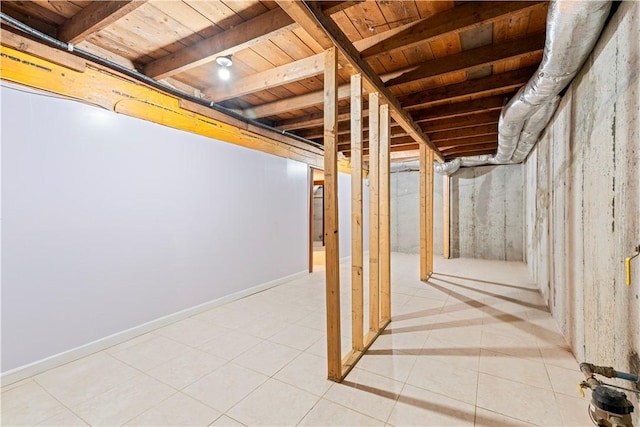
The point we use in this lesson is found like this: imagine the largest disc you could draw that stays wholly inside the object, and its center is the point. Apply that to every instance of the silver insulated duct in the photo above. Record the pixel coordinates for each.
(573, 27)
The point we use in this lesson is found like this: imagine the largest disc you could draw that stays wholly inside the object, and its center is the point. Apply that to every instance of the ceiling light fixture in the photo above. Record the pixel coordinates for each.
(224, 73)
(224, 61)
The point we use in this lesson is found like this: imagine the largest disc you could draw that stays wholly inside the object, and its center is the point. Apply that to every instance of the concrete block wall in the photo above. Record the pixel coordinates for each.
(583, 202)
(487, 216)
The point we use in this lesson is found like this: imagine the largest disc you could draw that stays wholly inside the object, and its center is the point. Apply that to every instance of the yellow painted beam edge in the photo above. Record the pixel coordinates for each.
(103, 88)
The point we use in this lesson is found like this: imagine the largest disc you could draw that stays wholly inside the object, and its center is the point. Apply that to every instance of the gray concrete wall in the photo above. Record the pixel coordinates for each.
(583, 202)
(486, 212)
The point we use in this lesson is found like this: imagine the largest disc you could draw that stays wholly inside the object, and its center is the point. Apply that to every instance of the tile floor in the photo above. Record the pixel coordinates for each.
(473, 346)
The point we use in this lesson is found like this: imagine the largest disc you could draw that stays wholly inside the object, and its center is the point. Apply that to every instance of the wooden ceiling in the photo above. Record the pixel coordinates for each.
(451, 65)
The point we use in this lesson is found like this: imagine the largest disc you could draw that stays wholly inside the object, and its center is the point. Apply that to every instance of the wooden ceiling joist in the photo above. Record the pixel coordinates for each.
(491, 103)
(95, 17)
(487, 129)
(298, 70)
(261, 28)
(491, 85)
(460, 142)
(314, 21)
(473, 59)
(469, 148)
(465, 17)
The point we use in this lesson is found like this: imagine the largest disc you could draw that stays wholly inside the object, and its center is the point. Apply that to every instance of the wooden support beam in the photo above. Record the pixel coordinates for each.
(385, 215)
(446, 217)
(429, 213)
(426, 213)
(261, 28)
(314, 21)
(465, 17)
(357, 262)
(473, 59)
(278, 76)
(94, 17)
(334, 352)
(462, 149)
(56, 56)
(374, 213)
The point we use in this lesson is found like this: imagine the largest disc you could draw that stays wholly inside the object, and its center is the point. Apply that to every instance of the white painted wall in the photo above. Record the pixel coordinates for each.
(109, 222)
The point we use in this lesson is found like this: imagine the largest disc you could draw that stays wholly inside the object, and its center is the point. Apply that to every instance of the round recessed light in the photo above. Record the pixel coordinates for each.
(224, 61)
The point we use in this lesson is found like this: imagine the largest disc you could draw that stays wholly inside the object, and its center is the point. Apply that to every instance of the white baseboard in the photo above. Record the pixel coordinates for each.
(59, 359)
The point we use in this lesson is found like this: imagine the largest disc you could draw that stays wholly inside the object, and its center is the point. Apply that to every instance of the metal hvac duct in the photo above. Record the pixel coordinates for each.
(573, 27)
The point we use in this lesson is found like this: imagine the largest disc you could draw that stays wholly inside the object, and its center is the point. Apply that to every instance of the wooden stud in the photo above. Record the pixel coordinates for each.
(357, 264)
(374, 204)
(385, 215)
(429, 211)
(424, 274)
(334, 352)
(446, 216)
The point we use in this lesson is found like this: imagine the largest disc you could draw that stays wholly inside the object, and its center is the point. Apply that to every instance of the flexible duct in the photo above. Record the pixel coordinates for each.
(573, 27)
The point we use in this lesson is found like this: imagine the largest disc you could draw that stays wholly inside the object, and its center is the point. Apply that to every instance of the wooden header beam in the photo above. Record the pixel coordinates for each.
(323, 29)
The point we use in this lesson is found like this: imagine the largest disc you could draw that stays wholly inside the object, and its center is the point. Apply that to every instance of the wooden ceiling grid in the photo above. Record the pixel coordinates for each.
(451, 65)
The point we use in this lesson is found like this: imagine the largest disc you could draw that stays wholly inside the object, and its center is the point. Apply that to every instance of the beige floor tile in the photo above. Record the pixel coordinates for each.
(230, 344)
(298, 337)
(514, 368)
(444, 378)
(191, 331)
(225, 421)
(519, 346)
(574, 410)
(178, 410)
(187, 368)
(366, 393)
(274, 403)
(453, 352)
(307, 372)
(558, 356)
(564, 380)
(315, 320)
(28, 404)
(265, 327)
(66, 418)
(86, 378)
(395, 366)
(130, 343)
(516, 400)
(123, 402)
(327, 413)
(151, 353)
(399, 337)
(419, 407)
(225, 386)
(485, 418)
(267, 357)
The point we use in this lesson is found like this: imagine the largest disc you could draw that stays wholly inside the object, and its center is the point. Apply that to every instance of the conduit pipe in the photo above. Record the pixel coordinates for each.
(573, 27)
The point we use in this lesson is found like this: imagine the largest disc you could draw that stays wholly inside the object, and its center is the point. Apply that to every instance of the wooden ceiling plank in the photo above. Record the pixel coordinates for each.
(486, 129)
(469, 15)
(481, 139)
(242, 36)
(470, 147)
(460, 109)
(485, 85)
(95, 17)
(471, 59)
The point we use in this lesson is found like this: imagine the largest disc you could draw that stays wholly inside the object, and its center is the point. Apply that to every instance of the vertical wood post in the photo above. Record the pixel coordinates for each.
(356, 215)
(429, 212)
(385, 215)
(374, 204)
(426, 212)
(334, 352)
(446, 216)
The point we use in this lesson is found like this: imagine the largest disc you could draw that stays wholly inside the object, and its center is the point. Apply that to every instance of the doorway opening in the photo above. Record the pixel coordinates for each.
(316, 221)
